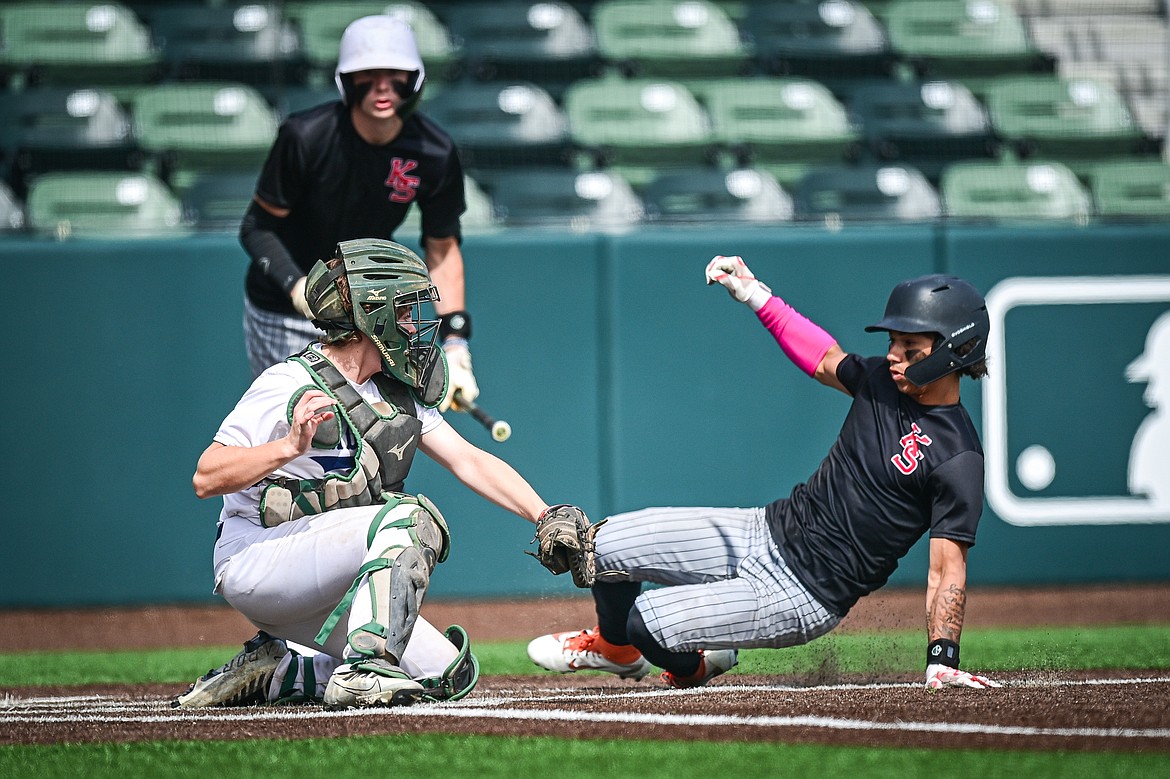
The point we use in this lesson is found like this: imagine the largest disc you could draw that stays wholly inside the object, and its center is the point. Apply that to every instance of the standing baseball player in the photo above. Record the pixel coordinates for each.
(351, 169)
(318, 541)
(906, 462)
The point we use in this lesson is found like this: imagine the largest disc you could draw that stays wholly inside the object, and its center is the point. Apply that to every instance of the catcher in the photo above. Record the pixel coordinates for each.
(318, 542)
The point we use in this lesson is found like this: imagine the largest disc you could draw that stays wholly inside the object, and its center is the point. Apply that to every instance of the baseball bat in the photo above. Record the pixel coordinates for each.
(500, 430)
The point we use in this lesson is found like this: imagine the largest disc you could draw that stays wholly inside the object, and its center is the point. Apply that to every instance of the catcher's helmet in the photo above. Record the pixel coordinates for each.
(383, 277)
(950, 308)
(380, 42)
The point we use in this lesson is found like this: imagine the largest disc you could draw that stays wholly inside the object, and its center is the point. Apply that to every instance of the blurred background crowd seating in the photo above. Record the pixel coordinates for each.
(153, 118)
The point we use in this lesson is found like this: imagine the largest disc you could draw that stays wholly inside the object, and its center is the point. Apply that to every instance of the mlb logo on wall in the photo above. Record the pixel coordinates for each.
(1076, 410)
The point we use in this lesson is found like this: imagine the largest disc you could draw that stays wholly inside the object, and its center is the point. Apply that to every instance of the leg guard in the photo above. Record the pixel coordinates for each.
(460, 676)
(407, 538)
(396, 595)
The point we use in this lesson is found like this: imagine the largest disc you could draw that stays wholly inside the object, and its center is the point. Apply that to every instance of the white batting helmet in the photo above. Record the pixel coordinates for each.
(379, 42)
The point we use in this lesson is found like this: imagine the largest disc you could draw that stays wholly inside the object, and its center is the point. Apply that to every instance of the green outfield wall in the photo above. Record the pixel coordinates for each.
(627, 383)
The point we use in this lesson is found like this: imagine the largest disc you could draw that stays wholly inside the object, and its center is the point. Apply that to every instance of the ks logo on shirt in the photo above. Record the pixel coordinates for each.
(402, 185)
(906, 461)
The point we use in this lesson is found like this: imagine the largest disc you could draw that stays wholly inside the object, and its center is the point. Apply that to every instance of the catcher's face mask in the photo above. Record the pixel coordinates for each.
(388, 285)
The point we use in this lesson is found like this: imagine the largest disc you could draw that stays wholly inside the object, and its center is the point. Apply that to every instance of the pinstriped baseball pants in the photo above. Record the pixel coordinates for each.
(727, 585)
(270, 338)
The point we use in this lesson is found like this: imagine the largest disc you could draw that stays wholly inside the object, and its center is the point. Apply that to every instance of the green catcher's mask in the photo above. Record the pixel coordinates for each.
(384, 278)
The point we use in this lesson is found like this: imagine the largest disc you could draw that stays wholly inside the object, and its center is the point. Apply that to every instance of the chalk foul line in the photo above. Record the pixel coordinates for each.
(100, 709)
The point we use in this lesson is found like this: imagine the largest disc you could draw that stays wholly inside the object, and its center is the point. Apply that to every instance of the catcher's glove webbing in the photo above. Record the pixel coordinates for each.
(564, 539)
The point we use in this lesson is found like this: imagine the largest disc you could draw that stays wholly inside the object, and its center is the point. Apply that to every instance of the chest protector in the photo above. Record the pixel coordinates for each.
(387, 438)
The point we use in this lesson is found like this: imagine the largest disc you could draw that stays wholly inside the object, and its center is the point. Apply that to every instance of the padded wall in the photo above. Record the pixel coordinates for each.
(626, 380)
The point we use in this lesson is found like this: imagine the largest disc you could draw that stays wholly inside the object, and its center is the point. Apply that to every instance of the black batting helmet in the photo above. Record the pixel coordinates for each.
(950, 308)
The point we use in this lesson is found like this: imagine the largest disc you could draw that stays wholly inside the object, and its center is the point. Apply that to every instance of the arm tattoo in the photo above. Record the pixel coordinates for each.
(945, 619)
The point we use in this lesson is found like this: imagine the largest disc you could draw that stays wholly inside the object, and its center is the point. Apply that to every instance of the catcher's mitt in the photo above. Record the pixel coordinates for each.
(564, 539)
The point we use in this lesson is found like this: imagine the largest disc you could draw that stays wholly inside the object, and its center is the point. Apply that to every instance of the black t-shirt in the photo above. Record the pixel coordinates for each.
(897, 470)
(337, 187)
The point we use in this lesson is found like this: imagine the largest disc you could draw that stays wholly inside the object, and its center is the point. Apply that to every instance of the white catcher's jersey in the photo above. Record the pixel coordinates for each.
(261, 416)
(288, 579)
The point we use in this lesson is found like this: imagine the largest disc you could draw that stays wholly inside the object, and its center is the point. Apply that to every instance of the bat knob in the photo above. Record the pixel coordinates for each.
(501, 431)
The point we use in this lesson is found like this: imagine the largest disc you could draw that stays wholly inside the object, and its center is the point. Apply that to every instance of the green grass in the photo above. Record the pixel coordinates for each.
(875, 654)
(882, 655)
(451, 757)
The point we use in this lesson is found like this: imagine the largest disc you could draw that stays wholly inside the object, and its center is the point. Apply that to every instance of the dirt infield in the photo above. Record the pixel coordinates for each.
(1041, 710)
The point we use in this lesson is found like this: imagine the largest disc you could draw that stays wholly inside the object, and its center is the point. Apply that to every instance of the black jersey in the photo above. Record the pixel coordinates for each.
(337, 187)
(897, 470)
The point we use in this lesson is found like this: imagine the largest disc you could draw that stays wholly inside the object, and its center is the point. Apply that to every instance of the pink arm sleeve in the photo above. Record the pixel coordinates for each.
(803, 342)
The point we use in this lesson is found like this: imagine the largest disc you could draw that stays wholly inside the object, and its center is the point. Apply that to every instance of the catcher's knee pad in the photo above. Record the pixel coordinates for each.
(430, 529)
(460, 676)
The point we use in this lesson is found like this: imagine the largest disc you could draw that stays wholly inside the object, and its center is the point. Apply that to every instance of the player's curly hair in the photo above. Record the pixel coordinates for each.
(979, 369)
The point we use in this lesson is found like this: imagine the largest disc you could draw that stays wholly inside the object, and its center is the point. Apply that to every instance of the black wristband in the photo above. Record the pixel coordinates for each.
(942, 651)
(455, 323)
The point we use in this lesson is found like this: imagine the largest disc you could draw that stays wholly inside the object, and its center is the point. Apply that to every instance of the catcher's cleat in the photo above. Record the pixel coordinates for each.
(373, 682)
(586, 650)
(712, 663)
(242, 681)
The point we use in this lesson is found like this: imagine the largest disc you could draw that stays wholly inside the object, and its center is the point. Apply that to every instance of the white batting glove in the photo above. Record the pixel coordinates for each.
(459, 375)
(738, 280)
(298, 298)
(939, 676)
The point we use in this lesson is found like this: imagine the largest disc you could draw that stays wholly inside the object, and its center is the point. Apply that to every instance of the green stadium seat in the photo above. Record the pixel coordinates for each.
(785, 125)
(549, 43)
(924, 124)
(1132, 189)
(103, 204)
(677, 39)
(837, 194)
(190, 127)
(830, 41)
(322, 22)
(1076, 121)
(76, 43)
(1014, 191)
(216, 200)
(498, 124)
(478, 219)
(566, 200)
(60, 128)
(235, 41)
(965, 40)
(639, 126)
(740, 196)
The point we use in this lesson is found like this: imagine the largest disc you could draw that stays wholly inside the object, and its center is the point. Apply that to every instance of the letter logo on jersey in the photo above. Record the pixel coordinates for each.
(906, 461)
(402, 185)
